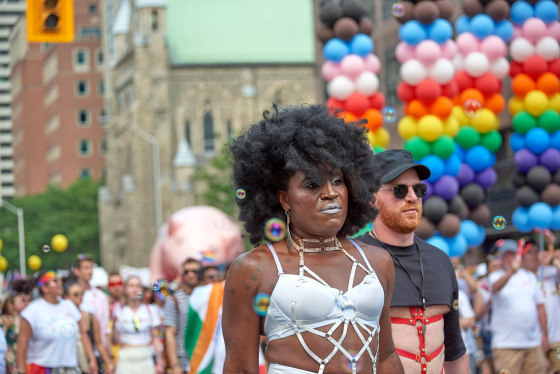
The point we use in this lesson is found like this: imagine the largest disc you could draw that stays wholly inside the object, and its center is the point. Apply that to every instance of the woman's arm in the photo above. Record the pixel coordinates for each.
(107, 362)
(86, 343)
(388, 361)
(160, 363)
(240, 322)
(22, 344)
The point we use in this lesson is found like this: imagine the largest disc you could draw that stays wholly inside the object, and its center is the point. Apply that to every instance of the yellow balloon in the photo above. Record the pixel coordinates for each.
(430, 127)
(485, 121)
(451, 126)
(554, 102)
(382, 137)
(370, 138)
(536, 102)
(459, 114)
(59, 243)
(407, 127)
(3, 263)
(515, 105)
(34, 262)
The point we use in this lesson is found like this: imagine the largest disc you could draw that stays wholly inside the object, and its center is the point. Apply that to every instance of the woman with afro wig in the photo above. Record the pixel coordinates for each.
(320, 300)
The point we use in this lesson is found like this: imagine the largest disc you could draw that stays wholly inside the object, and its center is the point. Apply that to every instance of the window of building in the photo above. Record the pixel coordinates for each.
(103, 145)
(80, 57)
(85, 173)
(83, 117)
(101, 87)
(188, 131)
(7, 171)
(99, 57)
(102, 117)
(5, 158)
(7, 184)
(90, 32)
(5, 131)
(155, 20)
(208, 132)
(82, 88)
(84, 147)
(92, 9)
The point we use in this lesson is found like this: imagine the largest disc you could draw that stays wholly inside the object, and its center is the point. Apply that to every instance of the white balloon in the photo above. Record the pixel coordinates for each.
(476, 64)
(413, 72)
(548, 48)
(340, 87)
(520, 49)
(458, 62)
(367, 83)
(500, 68)
(442, 71)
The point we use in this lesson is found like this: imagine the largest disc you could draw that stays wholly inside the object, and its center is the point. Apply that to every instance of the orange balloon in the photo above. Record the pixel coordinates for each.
(471, 94)
(442, 107)
(522, 84)
(374, 118)
(495, 103)
(548, 83)
(348, 117)
(415, 109)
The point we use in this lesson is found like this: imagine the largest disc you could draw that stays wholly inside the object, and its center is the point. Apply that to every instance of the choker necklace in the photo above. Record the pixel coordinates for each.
(304, 245)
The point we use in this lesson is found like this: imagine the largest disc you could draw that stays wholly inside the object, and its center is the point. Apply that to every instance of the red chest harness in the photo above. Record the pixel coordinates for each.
(418, 315)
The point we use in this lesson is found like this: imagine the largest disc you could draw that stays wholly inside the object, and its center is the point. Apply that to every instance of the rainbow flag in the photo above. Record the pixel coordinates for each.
(208, 256)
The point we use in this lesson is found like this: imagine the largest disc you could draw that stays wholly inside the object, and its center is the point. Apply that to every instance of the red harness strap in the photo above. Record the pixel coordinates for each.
(418, 315)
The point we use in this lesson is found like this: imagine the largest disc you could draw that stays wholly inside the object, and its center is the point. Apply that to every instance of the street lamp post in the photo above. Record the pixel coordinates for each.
(157, 178)
(19, 212)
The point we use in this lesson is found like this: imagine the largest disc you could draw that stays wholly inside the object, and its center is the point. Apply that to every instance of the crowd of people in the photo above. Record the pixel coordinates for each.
(316, 300)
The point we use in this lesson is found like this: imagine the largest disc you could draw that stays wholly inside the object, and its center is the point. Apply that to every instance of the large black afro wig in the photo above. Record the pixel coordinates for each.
(307, 139)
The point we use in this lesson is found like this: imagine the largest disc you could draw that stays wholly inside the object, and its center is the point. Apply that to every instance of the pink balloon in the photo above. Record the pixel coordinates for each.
(534, 29)
(428, 52)
(467, 43)
(554, 30)
(404, 52)
(330, 70)
(493, 47)
(352, 66)
(372, 63)
(449, 49)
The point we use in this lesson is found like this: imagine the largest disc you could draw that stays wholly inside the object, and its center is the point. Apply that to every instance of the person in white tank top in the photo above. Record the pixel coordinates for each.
(328, 300)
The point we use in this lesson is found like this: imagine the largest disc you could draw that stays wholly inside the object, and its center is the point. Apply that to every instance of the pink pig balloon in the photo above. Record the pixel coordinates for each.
(201, 232)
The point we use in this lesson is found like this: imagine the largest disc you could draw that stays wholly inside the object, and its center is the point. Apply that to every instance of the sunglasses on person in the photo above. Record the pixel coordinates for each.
(401, 190)
(186, 271)
(116, 283)
(77, 294)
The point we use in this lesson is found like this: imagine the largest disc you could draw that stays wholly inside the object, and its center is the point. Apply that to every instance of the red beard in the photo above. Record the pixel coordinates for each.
(394, 219)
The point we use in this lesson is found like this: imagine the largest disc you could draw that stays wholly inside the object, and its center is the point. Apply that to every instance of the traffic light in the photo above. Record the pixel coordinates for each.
(50, 21)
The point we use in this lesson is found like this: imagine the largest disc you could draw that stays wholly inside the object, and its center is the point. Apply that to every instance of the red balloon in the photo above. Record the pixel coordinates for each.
(554, 67)
(428, 90)
(534, 66)
(334, 103)
(450, 89)
(377, 101)
(357, 103)
(515, 68)
(488, 84)
(464, 80)
(405, 92)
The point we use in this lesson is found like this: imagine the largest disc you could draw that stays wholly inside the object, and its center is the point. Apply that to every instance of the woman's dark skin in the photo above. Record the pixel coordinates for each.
(255, 272)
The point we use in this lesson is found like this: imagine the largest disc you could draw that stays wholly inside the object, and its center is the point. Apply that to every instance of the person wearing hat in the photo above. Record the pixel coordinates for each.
(424, 306)
(518, 321)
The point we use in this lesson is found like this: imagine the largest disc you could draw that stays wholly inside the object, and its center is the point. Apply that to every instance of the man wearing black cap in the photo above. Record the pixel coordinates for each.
(424, 315)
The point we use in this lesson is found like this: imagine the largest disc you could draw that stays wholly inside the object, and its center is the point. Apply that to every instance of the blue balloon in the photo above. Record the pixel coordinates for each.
(452, 165)
(436, 166)
(469, 230)
(540, 215)
(439, 242)
(335, 50)
(478, 158)
(520, 219)
(547, 11)
(555, 140)
(361, 45)
(457, 246)
(516, 142)
(460, 152)
(482, 26)
(412, 32)
(481, 236)
(520, 12)
(492, 160)
(440, 31)
(555, 218)
(504, 30)
(537, 140)
(462, 24)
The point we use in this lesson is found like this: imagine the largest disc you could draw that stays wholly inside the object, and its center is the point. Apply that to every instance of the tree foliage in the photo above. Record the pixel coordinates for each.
(71, 212)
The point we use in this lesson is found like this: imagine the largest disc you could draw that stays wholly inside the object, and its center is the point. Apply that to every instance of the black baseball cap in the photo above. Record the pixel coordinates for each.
(393, 162)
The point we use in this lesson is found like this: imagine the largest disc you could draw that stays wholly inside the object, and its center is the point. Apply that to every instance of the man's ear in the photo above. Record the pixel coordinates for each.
(373, 201)
(283, 199)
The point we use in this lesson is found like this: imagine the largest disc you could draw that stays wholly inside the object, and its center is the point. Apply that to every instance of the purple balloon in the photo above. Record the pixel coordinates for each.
(550, 159)
(446, 187)
(487, 178)
(430, 190)
(465, 175)
(524, 160)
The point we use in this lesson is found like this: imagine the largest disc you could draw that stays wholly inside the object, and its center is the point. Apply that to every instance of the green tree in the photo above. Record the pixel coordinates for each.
(71, 212)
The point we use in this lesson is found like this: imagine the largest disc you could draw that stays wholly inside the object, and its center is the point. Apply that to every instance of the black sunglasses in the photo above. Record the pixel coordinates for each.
(401, 190)
(186, 271)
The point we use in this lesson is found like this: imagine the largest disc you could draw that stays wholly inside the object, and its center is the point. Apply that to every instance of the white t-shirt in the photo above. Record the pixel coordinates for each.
(466, 311)
(515, 322)
(135, 327)
(54, 337)
(550, 279)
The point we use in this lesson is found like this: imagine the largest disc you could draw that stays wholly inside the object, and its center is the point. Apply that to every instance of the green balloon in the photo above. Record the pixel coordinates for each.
(550, 121)
(378, 149)
(491, 140)
(467, 137)
(523, 122)
(443, 147)
(418, 147)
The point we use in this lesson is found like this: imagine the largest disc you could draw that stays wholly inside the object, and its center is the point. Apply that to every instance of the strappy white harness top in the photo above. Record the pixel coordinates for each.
(300, 303)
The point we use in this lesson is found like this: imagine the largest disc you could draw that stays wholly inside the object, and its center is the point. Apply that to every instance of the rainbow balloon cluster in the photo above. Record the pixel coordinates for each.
(351, 68)
(426, 52)
(535, 108)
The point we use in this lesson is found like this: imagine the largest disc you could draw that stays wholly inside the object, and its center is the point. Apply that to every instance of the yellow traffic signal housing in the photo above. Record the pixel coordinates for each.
(50, 21)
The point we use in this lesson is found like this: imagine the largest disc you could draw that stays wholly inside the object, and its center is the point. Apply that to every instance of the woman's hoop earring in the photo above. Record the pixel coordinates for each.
(288, 235)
